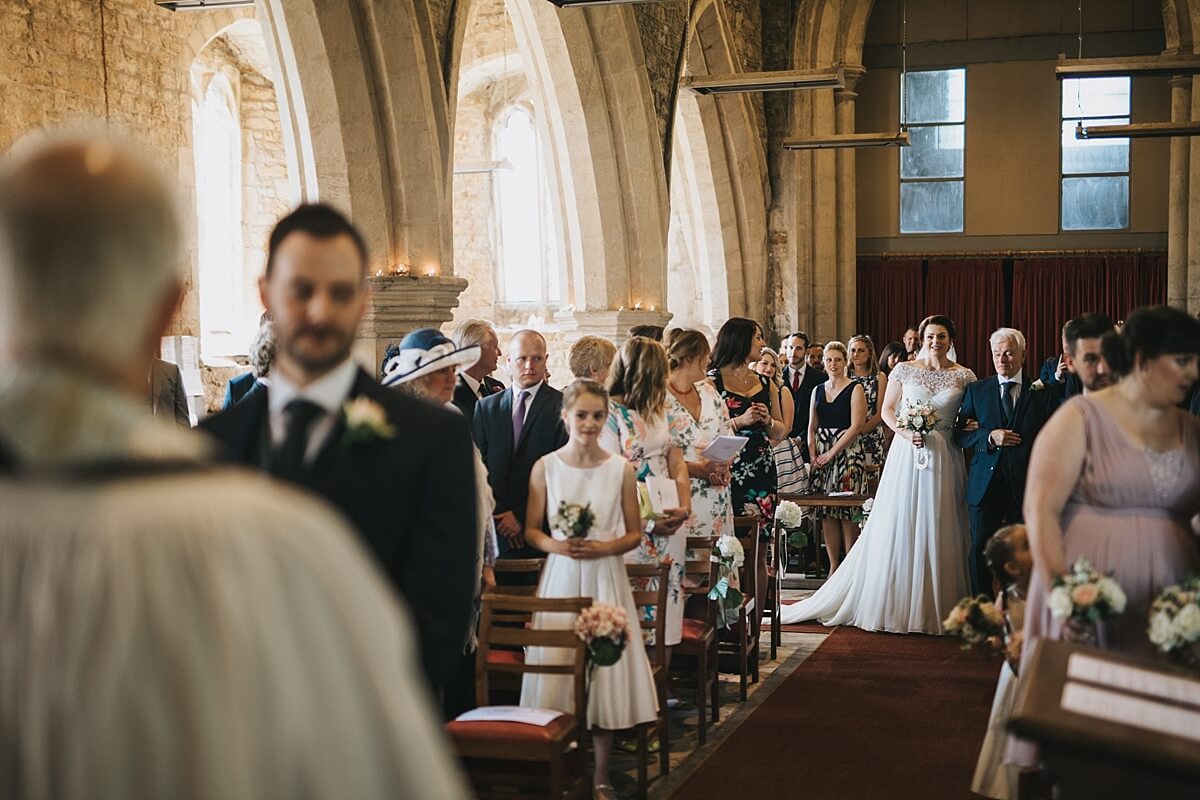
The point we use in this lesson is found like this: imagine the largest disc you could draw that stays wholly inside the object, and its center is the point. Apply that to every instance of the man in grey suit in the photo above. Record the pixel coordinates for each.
(167, 395)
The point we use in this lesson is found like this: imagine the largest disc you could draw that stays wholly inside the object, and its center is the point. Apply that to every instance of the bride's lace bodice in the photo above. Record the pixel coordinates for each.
(943, 389)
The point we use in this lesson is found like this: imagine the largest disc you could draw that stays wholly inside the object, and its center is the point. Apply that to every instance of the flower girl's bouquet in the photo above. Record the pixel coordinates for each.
(603, 628)
(977, 621)
(574, 521)
(918, 418)
(729, 556)
(1084, 598)
(1175, 621)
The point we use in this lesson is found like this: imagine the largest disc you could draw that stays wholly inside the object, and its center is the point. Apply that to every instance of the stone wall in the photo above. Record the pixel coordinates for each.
(660, 28)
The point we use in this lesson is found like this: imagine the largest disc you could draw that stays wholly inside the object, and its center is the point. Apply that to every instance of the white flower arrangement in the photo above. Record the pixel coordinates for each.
(917, 417)
(1175, 616)
(1084, 598)
(731, 550)
(366, 421)
(729, 555)
(789, 515)
(575, 521)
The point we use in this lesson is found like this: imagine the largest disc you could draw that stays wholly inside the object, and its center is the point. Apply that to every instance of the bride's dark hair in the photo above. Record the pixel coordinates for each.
(936, 319)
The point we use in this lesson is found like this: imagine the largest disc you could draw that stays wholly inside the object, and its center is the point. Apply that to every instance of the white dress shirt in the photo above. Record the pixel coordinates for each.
(1016, 392)
(329, 392)
(472, 384)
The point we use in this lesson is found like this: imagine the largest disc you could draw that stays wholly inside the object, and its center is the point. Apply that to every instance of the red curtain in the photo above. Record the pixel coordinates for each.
(970, 292)
(889, 298)
(1049, 291)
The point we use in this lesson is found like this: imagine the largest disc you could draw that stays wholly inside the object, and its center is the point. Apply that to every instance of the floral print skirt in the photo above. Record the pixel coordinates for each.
(846, 473)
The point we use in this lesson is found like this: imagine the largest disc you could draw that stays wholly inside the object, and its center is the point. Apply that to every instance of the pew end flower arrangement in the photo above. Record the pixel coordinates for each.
(860, 516)
(575, 521)
(1175, 622)
(977, 621)
(604, 629)
(918, 418)
(1083, 598)
(729, 556)
(791, 518)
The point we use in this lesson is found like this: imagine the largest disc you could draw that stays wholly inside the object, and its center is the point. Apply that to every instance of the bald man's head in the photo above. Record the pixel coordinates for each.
(88, 253)
(527, 358)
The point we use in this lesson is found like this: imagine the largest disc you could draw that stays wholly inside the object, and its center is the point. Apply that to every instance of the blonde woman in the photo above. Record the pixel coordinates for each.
(836, 419)
(864, 370)
(639, 430)
(790, 472)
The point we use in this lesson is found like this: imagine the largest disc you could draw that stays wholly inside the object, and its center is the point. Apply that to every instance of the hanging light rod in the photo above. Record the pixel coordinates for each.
(580, 3)
(786, 81)
(1133, 66)
(900, 139)
(201, 5)
(1138, 130)
(482, 167)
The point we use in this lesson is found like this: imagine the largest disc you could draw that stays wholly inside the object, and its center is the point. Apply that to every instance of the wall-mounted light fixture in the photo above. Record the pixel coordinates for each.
(1138, 130)
(786, 81)
(900, 139)
(201, 5)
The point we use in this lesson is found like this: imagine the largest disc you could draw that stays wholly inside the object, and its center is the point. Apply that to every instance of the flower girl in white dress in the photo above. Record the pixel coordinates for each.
(581, 472)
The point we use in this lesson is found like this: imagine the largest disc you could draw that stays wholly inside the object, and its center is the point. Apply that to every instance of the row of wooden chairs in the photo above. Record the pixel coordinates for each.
(499, 755)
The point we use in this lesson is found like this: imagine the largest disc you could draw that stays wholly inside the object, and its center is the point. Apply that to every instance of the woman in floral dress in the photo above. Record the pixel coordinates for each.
(698, 416)
(639, 430)
(864, 370)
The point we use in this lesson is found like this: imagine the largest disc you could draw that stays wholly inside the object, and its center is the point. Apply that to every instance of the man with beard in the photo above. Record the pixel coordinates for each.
(1083, 335)
(400, 469)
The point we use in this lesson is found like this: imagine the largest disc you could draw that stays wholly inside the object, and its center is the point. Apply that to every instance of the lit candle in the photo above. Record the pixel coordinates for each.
(622, 308)
(379, 273)
(430, 270)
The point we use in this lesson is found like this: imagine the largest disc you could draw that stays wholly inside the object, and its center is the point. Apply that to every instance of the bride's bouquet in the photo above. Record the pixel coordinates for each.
(918, 418)
(1175, 621)
(1084, 598)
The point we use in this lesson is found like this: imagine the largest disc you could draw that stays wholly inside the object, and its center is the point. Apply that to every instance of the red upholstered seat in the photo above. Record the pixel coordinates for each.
(506, 656)
(694, 629)
(511, 732)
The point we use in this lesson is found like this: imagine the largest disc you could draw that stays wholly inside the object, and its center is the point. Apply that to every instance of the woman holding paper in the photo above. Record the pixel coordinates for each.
(639, 430)
(698, 419)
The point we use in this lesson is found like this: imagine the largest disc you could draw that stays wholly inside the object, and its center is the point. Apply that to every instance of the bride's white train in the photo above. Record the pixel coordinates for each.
(909, 566)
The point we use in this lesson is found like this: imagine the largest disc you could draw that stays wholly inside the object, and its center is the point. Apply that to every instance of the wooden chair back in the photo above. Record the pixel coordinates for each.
(531, 569)
(650, 595)
(699, 576)
(496, 636)
(746, 529)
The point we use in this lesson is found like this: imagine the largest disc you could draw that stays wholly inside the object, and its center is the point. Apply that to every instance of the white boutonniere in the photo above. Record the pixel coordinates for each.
(366, 421)
(1037, 386)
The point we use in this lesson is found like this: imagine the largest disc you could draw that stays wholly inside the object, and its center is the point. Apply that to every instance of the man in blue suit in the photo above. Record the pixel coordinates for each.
(1009, 410)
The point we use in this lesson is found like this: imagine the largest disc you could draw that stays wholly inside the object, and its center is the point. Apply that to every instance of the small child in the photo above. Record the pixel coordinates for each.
(622, 695)
(1008, 556)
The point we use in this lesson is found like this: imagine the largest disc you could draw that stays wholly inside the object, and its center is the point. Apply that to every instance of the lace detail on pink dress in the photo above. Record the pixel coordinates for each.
(1166, 471)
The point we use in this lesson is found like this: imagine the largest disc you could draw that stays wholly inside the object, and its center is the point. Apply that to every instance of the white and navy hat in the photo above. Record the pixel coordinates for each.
(422, 352)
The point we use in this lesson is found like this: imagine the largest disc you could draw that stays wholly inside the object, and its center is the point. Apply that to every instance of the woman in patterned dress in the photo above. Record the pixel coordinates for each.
(639, 430)
(864, 370)
(836, 419)
(698, 416)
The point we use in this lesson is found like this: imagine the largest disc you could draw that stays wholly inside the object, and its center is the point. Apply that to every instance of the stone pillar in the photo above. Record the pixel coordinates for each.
(847, 228)
(400, 304)
(1177, 217)
(1192, 163)
(824, 224)
(610, 324)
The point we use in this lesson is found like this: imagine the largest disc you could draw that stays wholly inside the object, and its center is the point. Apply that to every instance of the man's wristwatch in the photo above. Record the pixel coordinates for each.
(648, 528)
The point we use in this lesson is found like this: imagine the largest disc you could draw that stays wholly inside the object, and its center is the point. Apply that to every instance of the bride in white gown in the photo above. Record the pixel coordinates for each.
(909, 566)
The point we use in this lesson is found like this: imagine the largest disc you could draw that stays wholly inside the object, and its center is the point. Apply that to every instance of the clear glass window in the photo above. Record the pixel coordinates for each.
(931, 168)
(527, 254)
(1095, 172)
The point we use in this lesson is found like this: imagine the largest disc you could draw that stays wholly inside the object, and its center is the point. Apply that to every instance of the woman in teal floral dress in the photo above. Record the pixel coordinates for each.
(639, 430)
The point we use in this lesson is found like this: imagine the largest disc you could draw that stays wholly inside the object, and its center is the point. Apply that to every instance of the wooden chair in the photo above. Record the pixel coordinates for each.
(506, 685)
(699, 644)
(741, 639)
(652, 603)
(497, 755)
(772, 604)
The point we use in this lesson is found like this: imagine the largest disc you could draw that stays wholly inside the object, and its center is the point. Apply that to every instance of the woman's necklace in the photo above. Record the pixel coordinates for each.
(681, 392)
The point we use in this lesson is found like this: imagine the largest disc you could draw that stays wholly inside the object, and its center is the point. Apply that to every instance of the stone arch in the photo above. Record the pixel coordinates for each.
(719, 190)
(365, 120)
(589, 78)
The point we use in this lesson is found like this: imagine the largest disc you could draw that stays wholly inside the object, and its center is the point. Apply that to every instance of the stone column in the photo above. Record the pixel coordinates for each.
(824, 224)
(1177, 217)
(1192, 167)
(400, 304)
(847, 228)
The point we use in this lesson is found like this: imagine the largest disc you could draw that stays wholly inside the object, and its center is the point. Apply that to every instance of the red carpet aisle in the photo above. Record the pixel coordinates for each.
(869, 715)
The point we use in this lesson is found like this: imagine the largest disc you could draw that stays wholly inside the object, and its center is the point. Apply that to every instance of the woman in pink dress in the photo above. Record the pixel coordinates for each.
(1115, 476)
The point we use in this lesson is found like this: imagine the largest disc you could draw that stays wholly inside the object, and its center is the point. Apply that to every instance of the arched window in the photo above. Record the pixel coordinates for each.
(218, 154)
(526, 249)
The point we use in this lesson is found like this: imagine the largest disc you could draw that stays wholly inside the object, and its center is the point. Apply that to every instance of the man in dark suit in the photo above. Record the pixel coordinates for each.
(515, 428)
(1057, 370)
(1009, 410)
(475, 383)
(800, 379)
(400, 469)
(167, 394)
(262, 356)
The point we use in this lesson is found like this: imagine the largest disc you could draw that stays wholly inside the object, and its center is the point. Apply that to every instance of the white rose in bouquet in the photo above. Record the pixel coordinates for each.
(868, 504)
(1111, 591)
(731, 549)
(1060, 602)
(1162, 631)
(1187, 623)
(789, 514)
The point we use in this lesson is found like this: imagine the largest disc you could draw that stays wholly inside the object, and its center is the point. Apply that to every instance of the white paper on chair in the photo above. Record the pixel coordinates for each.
(724, 448)
(530, 716)
(664, 493)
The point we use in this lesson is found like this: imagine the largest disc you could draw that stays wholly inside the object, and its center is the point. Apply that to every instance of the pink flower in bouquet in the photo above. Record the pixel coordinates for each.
(1085, 595)
(958, 617)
